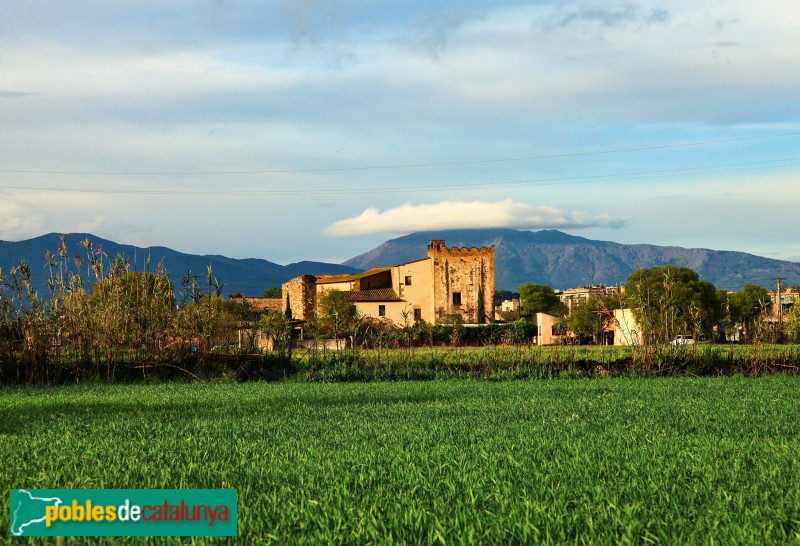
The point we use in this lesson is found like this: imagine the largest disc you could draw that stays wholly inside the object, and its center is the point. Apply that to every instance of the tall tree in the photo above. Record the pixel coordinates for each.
(272, 292)
(748, 305)
(539, 298)
(793, 322)
(671, 300)
(278, 328)
(336, 313)
(585, 319)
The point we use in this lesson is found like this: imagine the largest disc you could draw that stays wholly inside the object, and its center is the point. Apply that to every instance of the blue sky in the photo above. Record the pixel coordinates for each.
(317, 129)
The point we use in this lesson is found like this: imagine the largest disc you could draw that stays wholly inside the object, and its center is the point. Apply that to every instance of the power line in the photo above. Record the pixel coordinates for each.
(404, 166)
(622, 177)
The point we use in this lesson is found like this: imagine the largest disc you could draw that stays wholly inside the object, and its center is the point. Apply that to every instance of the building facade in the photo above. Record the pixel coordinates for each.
(545, 330)
(789, 297)
(449, 282)
(578, 296)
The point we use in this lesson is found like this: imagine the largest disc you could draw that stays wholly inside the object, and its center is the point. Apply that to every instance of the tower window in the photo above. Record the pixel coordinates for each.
(456, 298)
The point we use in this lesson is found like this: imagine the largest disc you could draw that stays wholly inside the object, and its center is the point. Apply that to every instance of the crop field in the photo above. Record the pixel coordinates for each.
(589, 461)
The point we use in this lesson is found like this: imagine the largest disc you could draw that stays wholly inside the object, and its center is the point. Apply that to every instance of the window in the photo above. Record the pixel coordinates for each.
(417, 315)
(456, 298)
(408, 280)
(381, 310)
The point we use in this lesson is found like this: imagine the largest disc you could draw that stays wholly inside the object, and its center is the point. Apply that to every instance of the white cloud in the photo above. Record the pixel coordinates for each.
(93, 225)
(466, 215)
(19, 220)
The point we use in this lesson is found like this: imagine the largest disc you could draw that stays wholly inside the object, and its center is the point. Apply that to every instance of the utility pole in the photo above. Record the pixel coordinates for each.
(780, 306)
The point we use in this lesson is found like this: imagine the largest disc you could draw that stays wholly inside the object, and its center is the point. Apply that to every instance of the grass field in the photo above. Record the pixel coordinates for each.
(667, 460)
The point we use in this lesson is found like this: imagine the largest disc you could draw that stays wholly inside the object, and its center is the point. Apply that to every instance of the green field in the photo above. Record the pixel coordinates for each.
(667, 460)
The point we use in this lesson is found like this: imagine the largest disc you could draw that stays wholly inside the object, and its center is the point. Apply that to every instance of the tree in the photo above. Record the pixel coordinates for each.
(672, 300)
(207, 322)
(272, 292)
(585, 319)
(793, 323)
(593, 317)
(505, 295)
(336, 313)
(748, 305)
(539, 298)
(277, 328)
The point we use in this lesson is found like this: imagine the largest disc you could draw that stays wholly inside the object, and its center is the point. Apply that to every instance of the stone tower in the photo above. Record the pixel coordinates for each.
(463, 281)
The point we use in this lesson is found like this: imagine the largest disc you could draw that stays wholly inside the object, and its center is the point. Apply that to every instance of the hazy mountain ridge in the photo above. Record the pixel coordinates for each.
(560, 260)
(549, 257)
(250, 276)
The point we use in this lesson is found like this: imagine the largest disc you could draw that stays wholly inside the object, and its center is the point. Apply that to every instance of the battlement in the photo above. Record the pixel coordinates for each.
(438, 249)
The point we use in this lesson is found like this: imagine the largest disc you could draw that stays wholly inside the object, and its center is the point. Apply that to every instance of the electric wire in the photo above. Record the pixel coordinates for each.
(557, 181)
(402, 166)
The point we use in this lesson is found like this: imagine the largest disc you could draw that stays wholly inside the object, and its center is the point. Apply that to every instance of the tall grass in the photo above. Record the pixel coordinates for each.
(533, 362)
(441, 362)
(97, 319)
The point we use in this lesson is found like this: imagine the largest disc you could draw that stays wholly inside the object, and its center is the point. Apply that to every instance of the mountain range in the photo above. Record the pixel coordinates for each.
(564, 261)
(248, 276)
(548, 257)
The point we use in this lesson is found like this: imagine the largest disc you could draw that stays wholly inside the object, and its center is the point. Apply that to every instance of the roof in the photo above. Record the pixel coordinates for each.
(378, 294)
(350, 277)
(344, 277)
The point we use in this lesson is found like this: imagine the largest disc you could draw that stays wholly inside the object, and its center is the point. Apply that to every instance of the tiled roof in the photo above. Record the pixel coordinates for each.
(349, 277)
(379, 294)
(374, 271)
(325, 279)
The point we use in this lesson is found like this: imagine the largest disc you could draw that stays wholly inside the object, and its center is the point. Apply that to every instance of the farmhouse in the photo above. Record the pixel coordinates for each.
(448, 282)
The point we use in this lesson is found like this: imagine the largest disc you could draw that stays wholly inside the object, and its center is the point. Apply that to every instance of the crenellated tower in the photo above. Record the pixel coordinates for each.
(463, 281)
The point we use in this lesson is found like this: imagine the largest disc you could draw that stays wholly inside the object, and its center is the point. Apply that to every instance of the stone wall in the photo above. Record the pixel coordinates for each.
(298, 296)
(468, 273)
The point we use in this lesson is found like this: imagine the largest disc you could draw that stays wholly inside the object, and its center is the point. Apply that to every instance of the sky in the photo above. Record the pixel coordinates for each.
(317, 129)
